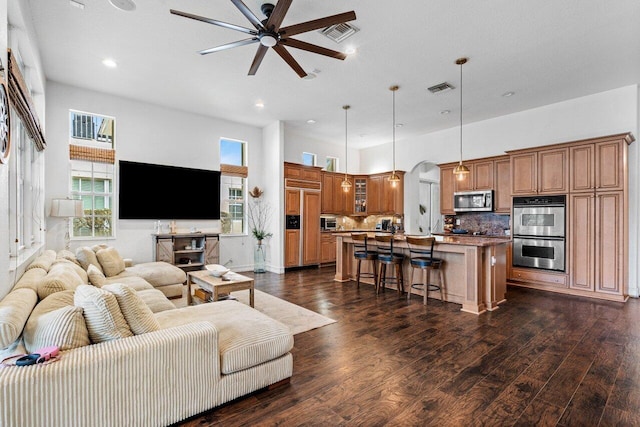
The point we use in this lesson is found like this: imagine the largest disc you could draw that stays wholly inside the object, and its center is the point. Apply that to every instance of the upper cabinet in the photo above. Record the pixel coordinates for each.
(382, 197)
(535, 171)
(491, 173)
(334, 199)
(360, 184)
(600, 165)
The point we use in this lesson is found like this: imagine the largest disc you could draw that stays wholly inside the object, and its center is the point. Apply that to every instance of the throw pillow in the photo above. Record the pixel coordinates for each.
(64, 327)
(15, 309)
(96, 277)
(61, 277)
(137, 314)
(86, 256)
(68, 255)
(102, 314)
(111, 261)
(44, 260)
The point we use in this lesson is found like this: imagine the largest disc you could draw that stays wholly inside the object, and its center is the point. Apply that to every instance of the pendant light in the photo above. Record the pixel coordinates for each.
(346, 184)
(461, 171)
(394, 179)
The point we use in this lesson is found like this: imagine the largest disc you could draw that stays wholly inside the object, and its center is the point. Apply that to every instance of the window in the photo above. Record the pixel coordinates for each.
(91, 129)
(332, 164)
(92, 159)
(25, 190)
(233, 184)
(309, 159)
(92, 182)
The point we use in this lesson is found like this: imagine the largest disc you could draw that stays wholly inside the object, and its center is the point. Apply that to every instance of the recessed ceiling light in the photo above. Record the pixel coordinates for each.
(108, 62)
(311, 121)
(350, 50)
(126, 5)
(76, 4)
(445, 111)
(259, 104)
(508, 94)
(399, 125)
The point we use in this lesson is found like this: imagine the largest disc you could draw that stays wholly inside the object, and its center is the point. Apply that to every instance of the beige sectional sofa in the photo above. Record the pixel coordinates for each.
(129, 357)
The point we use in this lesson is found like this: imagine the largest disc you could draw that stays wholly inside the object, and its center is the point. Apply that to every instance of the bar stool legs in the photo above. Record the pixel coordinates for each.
(425, 273)
(375, 271)
(398, 278)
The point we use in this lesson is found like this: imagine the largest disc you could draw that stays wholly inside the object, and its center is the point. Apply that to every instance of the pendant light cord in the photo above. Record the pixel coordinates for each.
(346, 152)
(394, 130)
(461, 112)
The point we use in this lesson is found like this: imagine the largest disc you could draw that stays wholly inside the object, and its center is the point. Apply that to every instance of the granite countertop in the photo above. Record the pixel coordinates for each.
(488, 236)
(450, 239)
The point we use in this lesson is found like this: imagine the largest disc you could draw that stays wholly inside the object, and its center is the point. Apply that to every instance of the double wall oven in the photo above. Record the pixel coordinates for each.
(539, 232)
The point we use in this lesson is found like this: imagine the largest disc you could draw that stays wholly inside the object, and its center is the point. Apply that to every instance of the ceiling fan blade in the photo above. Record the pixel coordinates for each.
(248, 14)
(298, 44)
(215, 22)
(284, 54)
(315, 24)
(229, 45)
(276, 17)
(257, 60)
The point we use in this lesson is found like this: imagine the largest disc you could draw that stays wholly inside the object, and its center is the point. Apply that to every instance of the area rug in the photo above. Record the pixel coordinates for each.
(298, 319)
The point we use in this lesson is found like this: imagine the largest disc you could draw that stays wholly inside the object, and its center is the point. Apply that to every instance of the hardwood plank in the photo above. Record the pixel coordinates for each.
(542, 359)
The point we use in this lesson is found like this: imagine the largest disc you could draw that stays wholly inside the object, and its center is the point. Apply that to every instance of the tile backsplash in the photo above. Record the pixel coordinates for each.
(484, 222)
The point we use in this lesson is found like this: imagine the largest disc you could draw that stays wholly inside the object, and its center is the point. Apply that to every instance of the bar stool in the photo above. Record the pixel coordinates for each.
(387, 256)
(362, 251)
(421, 257)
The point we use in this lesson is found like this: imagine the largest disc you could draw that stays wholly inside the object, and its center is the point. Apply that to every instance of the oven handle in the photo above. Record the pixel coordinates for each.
(527, 237)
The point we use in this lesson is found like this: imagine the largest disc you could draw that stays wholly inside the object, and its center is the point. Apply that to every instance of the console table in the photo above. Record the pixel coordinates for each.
(188, 251)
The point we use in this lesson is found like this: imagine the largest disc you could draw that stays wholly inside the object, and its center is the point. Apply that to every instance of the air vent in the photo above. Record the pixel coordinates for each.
(340, 32)
(439, 88)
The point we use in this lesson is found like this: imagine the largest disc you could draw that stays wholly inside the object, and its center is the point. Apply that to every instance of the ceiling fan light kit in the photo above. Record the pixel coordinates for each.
(268, 33)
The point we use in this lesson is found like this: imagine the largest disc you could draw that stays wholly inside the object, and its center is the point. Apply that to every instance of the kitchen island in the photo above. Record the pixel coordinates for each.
(474, 268)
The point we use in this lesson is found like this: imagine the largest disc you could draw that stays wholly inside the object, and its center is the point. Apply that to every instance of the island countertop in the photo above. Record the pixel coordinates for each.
(474, 267)
(478, 241)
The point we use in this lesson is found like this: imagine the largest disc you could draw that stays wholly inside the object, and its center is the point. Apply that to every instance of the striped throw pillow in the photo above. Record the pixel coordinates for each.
(102, 314)
(137, 314)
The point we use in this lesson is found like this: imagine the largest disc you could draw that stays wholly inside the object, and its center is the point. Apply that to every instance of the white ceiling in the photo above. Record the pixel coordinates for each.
(545, 51)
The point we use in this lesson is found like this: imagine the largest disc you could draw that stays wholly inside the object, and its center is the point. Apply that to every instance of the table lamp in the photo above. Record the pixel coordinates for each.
(66, 208)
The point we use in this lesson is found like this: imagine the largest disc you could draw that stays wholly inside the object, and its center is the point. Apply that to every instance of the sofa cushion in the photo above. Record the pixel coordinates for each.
(44, 260)
(99, 246)
(15, 309)
(85, 256)
(102, 314)
(61, 277)
(96, 277)
(70, 330)
(64, 328)
(137, 314)
(155, 300)
(246, 336)
(159, 273)
(135, 282)
(30, 279)
(111, 261)
(68, 255)
(76, 267)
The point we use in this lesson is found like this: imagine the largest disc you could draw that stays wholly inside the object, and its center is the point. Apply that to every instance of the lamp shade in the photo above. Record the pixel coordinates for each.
(66, 208)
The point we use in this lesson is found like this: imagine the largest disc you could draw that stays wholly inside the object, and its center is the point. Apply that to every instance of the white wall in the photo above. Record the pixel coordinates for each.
(151, 134)
(295, 144)
(273, 137)
(605, 113)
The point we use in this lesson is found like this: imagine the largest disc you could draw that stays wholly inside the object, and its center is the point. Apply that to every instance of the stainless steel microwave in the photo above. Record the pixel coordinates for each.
(473, 201)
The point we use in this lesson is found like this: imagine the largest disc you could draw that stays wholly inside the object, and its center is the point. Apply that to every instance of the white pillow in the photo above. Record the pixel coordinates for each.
(137, 314)
(102, 314)
(64, 328)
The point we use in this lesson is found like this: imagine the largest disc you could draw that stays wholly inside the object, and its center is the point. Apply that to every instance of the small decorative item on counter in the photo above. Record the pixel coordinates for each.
(172, 227)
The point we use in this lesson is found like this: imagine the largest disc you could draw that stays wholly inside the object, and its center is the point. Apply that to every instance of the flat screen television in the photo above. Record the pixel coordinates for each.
(149, 191)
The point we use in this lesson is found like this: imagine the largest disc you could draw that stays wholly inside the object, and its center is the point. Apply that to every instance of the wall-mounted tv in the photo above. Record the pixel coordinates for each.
(148, 191)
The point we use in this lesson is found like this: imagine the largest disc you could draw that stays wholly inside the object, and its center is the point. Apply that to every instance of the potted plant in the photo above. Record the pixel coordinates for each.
(259, 216)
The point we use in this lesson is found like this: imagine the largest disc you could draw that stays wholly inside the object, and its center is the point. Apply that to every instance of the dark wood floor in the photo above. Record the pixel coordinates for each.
(541, 359)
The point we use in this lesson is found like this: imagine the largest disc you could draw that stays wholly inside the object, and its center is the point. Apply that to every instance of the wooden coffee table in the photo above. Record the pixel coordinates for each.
(217, 285)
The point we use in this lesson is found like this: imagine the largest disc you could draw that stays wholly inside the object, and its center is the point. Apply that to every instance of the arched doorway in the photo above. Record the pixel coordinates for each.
(422, 207)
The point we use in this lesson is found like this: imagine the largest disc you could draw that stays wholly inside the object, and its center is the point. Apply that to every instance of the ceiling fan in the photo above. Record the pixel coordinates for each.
(268, 33)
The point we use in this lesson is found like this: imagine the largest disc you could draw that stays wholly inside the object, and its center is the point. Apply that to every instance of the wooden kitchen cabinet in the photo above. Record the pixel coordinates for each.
(334, 199)
(597, 255)
(292, 202)
(598, 166)
(292, 248)
(311, 227)
(374, 195)
(328, 190)
(327, 248)
(502, 181)
(483, 175)
(539, 171)
(447, 187)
